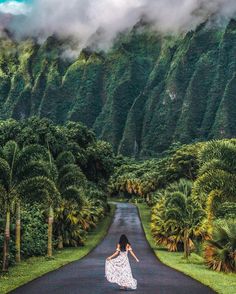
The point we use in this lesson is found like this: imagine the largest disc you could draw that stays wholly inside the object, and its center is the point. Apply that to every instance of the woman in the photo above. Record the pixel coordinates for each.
(118, 270)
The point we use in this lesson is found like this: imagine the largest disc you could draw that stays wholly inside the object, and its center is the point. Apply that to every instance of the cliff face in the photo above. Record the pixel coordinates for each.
(147, 92)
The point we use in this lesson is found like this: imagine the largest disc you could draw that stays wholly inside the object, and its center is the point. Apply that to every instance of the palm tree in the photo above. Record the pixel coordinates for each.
(69, 221)
(81, 204)
(220, 251)
(179, 217)
(15, 166)
(216, 182)
(67, 213)
(28, 164)
(185, 215)
(42, 189)
(163, 234)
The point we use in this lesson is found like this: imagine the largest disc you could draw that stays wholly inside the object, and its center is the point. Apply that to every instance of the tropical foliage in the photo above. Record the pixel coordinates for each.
(56, 174)
(177, 218)
(145, 178)
(216, 182)
(220, 251)
(188, 188)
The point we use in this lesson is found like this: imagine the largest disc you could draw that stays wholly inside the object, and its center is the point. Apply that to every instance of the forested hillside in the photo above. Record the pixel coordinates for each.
(145, 93)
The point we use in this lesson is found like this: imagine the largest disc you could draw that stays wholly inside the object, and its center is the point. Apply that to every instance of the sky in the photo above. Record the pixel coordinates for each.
(15, 7)
(104, 19)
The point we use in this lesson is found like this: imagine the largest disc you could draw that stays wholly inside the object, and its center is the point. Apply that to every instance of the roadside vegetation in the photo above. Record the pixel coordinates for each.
(194, 266)
(53, 182)
(189, 194)
(37, 266)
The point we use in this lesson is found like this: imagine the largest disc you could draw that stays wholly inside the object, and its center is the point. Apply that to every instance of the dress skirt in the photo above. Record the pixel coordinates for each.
(118, 271)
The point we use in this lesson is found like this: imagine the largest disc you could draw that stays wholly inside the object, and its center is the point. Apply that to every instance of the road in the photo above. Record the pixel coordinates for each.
(86, 276)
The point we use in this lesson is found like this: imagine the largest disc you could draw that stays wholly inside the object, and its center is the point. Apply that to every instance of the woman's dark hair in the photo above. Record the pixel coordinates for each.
(123, 242)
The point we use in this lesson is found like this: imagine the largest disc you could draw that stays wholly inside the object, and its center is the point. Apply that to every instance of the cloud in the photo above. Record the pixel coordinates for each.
(14, 7)
(99, 21)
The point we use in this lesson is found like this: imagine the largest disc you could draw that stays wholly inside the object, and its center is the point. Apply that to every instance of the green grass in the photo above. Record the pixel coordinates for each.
(222, 283)
(37, 266)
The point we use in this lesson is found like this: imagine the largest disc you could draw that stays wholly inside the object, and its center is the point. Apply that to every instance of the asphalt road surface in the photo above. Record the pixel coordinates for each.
(86, 276)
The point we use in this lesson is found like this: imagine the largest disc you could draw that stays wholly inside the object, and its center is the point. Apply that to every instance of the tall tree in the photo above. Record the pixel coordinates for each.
(16, 166)
(178, 217)
(216, 182)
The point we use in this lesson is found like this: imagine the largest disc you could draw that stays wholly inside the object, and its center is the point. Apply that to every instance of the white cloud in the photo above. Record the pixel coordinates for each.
(83, 19)
(14, 7)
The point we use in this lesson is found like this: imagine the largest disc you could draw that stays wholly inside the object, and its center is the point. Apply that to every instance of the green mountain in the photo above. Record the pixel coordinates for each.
(146, 93)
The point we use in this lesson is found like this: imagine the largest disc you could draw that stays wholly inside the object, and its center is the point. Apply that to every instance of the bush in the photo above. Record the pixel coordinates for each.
(34, 231)
(220, 251)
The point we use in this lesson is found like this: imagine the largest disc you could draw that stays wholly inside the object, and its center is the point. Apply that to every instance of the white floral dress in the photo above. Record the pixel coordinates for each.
(118, 270)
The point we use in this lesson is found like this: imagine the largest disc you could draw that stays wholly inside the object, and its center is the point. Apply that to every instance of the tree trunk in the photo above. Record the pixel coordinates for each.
(18, 232)
(186, 244)
(6, 243)
(50, 225)
(60, 242)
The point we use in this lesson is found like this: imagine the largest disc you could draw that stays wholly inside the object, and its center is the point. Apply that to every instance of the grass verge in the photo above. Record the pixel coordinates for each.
(222, 283)
(35, 267)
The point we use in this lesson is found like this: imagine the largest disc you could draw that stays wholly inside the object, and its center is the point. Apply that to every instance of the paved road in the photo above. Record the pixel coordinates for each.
(87, 275)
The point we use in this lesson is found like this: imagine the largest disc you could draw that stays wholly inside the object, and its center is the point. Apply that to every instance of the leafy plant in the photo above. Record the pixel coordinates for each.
(220, 250)
(34, 230)
(177, 218)
(217, 175)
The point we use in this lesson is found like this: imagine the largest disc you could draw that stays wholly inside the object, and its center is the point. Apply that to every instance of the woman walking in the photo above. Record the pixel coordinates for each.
(118, 270)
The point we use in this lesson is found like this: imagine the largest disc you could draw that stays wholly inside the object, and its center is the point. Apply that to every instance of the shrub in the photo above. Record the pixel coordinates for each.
(220, 251)
(34, 231)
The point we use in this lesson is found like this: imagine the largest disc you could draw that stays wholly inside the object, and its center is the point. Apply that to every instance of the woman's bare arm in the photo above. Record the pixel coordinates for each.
(115, 253)
(133, 254)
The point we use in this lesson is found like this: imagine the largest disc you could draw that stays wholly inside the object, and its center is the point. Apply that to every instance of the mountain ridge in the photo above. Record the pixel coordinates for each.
(144, 94)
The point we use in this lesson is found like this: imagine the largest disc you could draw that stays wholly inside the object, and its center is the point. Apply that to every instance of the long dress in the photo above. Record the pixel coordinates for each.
(118, 270)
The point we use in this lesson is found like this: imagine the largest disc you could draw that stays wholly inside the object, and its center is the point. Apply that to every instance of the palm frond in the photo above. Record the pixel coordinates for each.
(39, 189)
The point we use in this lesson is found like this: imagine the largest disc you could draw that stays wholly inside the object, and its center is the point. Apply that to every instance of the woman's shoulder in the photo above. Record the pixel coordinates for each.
(128, 247)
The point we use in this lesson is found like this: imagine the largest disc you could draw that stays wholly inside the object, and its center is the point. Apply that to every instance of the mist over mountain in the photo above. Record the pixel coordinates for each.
(98, 22)
(146, 92)
(142, 73)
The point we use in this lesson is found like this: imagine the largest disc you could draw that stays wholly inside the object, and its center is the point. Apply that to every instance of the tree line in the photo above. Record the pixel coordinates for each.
(52, 186)
(191, 192)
